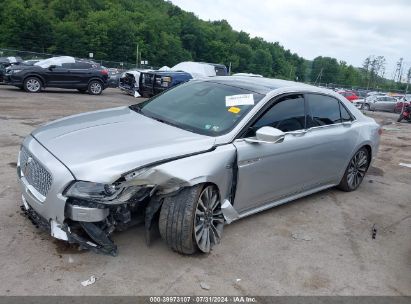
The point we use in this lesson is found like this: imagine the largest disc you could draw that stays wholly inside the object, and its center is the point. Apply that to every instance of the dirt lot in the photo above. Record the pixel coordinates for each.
(318, 245)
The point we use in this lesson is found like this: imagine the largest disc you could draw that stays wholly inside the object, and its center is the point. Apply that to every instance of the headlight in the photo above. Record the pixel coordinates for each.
(103, 193)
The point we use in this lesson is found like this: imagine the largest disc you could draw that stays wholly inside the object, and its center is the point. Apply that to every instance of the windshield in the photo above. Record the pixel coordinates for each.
(204, 107)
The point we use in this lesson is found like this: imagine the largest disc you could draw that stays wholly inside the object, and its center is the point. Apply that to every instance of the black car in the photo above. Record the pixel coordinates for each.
(6, 62)
(59, 72)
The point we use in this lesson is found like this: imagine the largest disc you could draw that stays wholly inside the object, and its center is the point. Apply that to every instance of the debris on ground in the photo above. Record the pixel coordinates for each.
(238, 280)
(391, 129)
(405, 165)
(204, 285)
(374, 231)
(301, 237)
(88, 282)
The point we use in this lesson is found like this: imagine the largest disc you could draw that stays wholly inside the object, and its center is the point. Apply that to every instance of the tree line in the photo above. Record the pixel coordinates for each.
(165, 34)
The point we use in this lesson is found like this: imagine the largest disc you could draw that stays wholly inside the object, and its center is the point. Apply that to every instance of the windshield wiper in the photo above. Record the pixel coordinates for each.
(136, 108)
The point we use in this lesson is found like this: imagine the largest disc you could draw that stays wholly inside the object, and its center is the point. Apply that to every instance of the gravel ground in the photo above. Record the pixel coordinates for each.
(318, 245)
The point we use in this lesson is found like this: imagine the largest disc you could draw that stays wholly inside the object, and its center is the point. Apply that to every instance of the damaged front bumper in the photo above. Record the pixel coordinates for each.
(42, 179)
(99, 242)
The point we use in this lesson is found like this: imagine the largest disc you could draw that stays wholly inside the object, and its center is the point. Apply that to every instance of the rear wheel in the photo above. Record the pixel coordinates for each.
(355, 172)
(192, 219)
(32, 85)
(95, 87)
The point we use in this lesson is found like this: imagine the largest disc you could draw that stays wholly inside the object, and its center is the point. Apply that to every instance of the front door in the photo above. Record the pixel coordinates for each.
(59, 76)
(269, 171)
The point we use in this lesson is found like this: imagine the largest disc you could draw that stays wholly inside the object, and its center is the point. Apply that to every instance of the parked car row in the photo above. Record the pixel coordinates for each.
(148, 83)
(376, 101)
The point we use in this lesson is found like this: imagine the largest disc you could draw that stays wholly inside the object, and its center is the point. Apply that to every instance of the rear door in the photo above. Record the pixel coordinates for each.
(330, 128)
(390, 104)
(80, 72)
(380, 103)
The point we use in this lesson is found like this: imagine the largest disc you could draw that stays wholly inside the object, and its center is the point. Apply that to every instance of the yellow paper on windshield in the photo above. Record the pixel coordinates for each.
(234, 110)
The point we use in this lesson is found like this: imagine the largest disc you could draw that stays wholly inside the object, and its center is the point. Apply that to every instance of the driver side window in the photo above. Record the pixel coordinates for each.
(288, 114)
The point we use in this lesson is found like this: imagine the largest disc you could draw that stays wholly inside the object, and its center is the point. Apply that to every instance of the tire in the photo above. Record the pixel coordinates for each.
(366, 107)
(356, 170)
(183, 227)
(82, 91)
(95, 87)
(32, 85)
(401, 117)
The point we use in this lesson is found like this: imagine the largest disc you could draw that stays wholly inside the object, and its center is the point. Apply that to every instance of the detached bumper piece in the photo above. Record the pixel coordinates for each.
(102, 243)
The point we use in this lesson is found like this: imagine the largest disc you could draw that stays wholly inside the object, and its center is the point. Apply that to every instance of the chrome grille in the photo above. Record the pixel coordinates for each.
(35, 174)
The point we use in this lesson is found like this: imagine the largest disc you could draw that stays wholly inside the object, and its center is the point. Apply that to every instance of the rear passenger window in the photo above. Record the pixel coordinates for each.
(324, 110)
(81, 66)
(345, 116)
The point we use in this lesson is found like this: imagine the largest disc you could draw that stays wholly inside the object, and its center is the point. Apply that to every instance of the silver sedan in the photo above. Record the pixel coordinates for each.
(379, 103)
(192, 160)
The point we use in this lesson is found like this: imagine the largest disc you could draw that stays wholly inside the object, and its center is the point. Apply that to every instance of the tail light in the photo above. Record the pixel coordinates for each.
(104, 72)
(165, 81)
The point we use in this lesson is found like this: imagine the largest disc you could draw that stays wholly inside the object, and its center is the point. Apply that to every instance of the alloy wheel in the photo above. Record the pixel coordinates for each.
(209, 219)
(357, 169)
(95, 88)
(33, 85)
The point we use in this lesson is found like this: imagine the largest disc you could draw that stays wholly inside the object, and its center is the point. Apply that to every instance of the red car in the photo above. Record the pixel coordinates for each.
(349, 95)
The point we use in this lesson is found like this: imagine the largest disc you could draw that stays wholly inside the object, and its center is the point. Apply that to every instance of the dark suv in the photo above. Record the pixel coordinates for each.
(59, 72)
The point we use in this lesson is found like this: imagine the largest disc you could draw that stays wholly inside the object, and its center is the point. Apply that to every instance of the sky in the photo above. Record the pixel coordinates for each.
(348, 30)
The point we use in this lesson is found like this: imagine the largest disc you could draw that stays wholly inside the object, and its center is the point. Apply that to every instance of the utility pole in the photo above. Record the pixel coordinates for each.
(291, 70)
(137, 56)
(319, 77)
(408, 80)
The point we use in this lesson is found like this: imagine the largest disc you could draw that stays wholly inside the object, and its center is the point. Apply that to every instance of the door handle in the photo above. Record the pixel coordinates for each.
(297, 133)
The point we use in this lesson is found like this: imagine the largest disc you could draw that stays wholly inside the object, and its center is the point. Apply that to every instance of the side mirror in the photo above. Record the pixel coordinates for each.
(52, 67)
(267, 135)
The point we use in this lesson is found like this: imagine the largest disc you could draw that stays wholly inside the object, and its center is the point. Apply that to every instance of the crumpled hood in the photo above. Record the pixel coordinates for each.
(101, 146)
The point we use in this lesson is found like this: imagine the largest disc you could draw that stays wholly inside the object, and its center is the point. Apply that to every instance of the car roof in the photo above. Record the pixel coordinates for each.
(257, 84)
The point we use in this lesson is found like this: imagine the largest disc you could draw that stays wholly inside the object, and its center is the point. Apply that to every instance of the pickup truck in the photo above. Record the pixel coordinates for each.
(154, 82)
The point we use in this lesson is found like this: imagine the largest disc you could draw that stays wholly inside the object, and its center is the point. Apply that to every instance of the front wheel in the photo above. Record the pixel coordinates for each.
(192, 219)
(95, 87)
(366, 107)
(355, 172)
